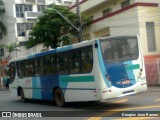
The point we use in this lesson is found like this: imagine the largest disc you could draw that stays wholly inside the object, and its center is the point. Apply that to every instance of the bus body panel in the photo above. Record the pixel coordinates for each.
(105, 80)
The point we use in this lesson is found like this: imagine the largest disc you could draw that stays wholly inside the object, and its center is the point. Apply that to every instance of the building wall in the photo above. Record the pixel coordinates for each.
(130, 20)
(149, 14)
(10, 20)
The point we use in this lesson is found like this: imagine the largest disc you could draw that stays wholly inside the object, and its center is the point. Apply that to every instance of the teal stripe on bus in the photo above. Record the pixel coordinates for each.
(77, 79)
(132, 67)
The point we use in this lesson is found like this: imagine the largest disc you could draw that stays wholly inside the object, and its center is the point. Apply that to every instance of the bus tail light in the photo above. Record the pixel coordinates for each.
(140, 73)
(108, 78)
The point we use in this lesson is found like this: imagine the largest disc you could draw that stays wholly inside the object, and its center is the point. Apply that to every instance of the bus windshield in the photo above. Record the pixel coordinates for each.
(119, 49)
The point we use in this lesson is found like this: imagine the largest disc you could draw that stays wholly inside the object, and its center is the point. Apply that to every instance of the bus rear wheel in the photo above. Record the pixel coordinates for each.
(22, 96)
(59, 97)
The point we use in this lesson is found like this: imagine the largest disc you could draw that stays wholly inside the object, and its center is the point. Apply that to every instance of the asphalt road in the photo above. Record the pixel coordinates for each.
(146, 104)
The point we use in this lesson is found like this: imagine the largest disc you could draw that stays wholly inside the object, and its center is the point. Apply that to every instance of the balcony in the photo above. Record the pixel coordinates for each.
(29, 15)
(22, 39)
(89, 4)
(41, 1)
(28, 34)
(30, 1)
(19, 1)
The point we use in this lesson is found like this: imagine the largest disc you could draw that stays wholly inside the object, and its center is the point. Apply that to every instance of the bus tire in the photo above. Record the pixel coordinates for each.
(22, 96)
(59, 97)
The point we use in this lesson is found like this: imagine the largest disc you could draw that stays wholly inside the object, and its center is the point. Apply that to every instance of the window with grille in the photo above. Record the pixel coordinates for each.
(106, 11)
(125, 3)
(150, 36)
(40, 8)
(28, 8)
(21, 28)
(21, 8)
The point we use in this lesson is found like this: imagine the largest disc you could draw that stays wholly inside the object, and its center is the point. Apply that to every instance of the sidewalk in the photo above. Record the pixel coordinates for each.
(155, 88)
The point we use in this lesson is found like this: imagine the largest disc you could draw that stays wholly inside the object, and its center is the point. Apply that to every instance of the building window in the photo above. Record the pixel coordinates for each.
(40, 8)
(21, 28)
(125, 3)
(150, 36)
(91, 18)
(1, 52)
(21, 8)
(19, 11)
(29, 26)
(28, 8)
(106, 11)
(22, 43)
(1, 35)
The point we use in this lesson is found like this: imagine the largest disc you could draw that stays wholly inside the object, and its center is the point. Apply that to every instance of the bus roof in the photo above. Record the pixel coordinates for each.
(57, 50)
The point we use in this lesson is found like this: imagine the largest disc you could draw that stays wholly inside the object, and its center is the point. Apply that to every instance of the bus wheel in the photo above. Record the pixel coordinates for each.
(59, 97)
(23, 99)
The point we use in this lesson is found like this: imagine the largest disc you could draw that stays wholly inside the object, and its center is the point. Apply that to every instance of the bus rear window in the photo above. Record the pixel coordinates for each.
(120, 49)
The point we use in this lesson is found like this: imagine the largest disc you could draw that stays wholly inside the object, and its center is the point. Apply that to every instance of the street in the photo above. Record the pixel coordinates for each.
(143, 103)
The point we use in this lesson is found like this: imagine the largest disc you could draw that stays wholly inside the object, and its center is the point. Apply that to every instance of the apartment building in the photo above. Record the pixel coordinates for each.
(19, 18)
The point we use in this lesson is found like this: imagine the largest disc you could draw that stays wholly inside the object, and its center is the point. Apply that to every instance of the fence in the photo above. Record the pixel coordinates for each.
(152, 68)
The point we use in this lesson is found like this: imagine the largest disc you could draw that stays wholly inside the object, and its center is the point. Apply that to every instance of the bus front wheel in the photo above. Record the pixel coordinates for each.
(59, 97)
(22, 96)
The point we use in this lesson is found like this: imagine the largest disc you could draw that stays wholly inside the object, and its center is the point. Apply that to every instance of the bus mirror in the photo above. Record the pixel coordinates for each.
(96, 45)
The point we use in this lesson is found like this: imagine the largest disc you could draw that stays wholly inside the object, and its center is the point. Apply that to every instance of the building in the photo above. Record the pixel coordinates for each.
(131, 17)
(126, 17)
(19, 18)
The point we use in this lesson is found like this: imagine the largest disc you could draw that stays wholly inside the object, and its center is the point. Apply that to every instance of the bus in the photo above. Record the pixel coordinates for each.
(93, 70)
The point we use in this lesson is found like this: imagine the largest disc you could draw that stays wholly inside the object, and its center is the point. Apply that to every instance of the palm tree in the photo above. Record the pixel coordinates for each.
(11, 48)
(3, 30)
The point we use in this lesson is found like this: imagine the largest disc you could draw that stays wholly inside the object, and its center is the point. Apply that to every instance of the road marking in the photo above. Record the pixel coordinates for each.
(157, 100)
(105, 114)
(121, 101)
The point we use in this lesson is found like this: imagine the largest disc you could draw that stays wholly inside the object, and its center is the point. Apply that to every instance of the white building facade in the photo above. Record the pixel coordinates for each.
(125, 17)
(20, 16)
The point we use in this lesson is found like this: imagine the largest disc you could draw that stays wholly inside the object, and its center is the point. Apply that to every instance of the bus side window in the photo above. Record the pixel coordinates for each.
(62, 63)
(86, 60)
(53, 64)
(12, 72)
(41, 66)
(35, 69)
(48, 69)
(74, 61)
(31, 67)
(26, 68)
(20, 69)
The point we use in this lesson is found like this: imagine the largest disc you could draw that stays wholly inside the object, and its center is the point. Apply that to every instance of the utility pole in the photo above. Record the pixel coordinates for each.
(79, 22)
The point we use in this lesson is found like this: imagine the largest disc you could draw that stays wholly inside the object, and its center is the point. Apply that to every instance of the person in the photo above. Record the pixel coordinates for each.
(6, 81)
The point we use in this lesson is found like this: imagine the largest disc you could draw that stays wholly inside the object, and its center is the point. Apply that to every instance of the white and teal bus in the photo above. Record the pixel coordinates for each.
(93, 70)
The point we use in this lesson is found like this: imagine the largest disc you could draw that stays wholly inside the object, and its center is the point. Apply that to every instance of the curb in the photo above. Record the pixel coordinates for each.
(4, 89)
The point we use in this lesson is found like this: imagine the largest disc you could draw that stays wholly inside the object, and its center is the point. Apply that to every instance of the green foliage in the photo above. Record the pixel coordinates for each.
(11, 48)
(51, 28)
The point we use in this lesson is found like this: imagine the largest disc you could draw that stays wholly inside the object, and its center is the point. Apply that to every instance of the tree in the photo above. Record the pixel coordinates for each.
(3, 30)
(51, 28)
(11, 48)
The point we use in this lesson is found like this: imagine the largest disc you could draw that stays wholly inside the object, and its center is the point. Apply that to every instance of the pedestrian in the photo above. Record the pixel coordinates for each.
(6, 81)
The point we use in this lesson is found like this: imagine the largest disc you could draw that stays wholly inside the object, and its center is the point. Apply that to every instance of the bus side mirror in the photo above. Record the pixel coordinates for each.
(96, 45)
